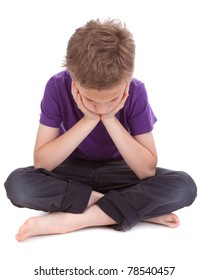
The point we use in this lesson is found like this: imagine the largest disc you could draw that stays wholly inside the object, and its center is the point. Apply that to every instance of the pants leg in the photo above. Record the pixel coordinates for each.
(127, 199)
(51, 191)
(135, 200)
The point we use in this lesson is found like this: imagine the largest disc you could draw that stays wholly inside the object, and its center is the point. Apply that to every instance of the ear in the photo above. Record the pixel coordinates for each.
(74, 88)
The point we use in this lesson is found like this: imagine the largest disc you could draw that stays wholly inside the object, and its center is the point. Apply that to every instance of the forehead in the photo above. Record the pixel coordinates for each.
(102, 95)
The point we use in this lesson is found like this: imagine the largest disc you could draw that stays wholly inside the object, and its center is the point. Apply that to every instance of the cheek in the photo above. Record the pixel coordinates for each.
(111, 106)
(87, 104)
(115, 103)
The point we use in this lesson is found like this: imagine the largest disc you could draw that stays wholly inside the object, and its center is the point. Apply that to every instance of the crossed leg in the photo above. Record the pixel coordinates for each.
(60, 222)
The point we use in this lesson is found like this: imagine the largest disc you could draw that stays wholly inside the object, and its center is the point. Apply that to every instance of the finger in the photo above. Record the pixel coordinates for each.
(126, 94)
(124, 98)
(127, 87)
(80, 104)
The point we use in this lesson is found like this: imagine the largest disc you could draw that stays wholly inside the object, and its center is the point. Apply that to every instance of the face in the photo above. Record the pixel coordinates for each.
(101, 101)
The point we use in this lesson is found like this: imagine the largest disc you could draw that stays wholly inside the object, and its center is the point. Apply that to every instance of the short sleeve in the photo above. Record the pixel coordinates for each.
(50, 106)
(141, 117)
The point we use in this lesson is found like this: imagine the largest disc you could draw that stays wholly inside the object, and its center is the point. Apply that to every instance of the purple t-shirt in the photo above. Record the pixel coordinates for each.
(59, 110)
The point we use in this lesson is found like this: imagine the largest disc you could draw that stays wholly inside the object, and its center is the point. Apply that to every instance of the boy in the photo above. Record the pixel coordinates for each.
(95, 158)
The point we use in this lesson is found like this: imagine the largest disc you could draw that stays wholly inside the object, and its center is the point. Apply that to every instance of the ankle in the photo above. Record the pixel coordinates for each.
(94, 197)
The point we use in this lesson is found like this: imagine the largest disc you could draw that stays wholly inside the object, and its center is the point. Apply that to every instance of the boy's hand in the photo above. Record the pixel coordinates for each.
(116, 109)
(87, 114)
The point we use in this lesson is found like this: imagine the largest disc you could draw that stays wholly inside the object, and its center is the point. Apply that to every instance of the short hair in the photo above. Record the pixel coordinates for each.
(101, 54)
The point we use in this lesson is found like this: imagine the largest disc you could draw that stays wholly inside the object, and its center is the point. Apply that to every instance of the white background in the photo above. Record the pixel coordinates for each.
(172, 59)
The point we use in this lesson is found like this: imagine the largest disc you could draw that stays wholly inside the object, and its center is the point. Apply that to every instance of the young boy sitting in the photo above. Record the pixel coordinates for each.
(95, 160)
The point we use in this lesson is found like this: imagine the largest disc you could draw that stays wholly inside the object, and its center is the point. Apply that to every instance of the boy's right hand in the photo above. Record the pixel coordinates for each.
(87, 114)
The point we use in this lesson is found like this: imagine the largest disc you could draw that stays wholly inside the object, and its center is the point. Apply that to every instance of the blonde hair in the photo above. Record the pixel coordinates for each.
(100, 54)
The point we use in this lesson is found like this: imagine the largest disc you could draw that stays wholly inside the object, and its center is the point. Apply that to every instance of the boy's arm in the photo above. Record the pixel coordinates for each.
(51, 149)
(139, 151)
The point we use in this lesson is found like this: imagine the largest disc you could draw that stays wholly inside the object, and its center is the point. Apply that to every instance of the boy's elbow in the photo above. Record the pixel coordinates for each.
(147, 173)
(152, 172)
(41, 164)
(38, 164)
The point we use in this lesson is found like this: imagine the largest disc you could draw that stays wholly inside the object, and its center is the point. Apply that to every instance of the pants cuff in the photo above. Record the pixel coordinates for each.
(115, 206)
(76, 199)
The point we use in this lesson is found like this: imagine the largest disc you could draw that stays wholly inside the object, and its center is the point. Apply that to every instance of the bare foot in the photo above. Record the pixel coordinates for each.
(53, 223)
(170, 220)
(59, 222)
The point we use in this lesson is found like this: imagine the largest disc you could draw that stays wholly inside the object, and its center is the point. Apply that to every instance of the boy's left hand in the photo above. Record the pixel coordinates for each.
(116, 109)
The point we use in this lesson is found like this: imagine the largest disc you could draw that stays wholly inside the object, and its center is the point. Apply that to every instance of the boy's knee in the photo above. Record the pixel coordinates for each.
(16, 186)
(187, 187)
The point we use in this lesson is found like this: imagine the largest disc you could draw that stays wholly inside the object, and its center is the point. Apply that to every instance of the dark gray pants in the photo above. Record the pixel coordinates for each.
(127, 199)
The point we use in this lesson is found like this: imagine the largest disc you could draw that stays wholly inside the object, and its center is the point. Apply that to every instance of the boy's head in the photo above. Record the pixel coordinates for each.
(100, 55)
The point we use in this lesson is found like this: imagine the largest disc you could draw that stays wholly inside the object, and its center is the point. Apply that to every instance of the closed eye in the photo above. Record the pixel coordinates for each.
(90, 100)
